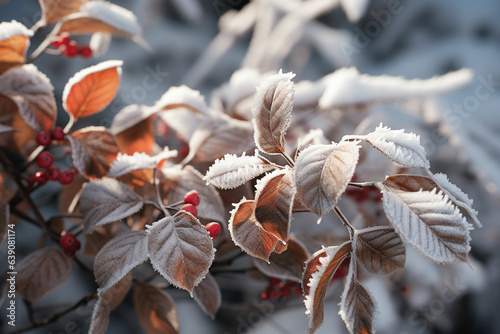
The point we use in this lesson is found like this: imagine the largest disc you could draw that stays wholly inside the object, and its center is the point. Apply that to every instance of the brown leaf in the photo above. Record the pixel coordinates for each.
(54, 10)
(95, 242)
(248, 234)
(93, 151)
(379, 250)
(156, 310)
(100, 318)
(114, 296)
(92, 89)
(119, 256)
(181, 250)
(288, 265)
(139, 138)
(14, 41)
(141, 182)
(32, 93)
(20, 139)
(273, 112)
(356, 307)
(274, 203)
(322, 174)
(207, 296)
(41, 272)
(319, 270)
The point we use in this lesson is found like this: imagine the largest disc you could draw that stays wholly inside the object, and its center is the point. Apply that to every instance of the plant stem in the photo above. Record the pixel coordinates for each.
(288, 159)
(344, 221)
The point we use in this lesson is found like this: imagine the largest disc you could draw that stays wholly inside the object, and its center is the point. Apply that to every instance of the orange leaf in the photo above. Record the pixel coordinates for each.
(92, 89)
(54, 10)
(14, 41)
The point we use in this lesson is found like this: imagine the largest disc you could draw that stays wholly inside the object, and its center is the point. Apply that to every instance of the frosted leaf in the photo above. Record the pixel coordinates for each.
(33, 95)
(125, 163)
(155, 309)
(272, 111)
(119, 256)
(457, 196)
(14, 42)
(379, 250)
(313, 137)
(54, 10)
(427, 220)
(5, 129)
(357, 307)
(323, 172)
(181, 97)
(207, 295)
(232, 171)
(354, 9)
(99, 44)
(248, 234)
(13, 28)
(114, 296)
(347, 86)
(181, 250)
(274, 198)
(107, 200)
(403, 148)
(130, 116)
(100, 318)
(318, 272)
(41, 272)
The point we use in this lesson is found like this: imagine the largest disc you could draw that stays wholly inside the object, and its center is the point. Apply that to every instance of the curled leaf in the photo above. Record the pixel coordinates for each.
(125, 163)
(54, 10)
(14, 41)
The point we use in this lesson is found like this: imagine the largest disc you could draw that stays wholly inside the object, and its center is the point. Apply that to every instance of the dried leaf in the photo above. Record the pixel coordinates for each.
(272, 112)
(125, 163)
(379, 250)
(106, 17)
(207, 296)
(181, 97)
(41, 272)
(318, 272)
(54, 10)
(93, 151)
(274, 203)
(156, 310)
(119, 256)
(100, 318)
(33, 95)
(107, 200)
(426, 219)
(248, 234)
(22, 138)
(288, 265)
(129, 117)
(219, 136)
(181, 250)
(114, 296)
(177, 182)
(14, 41)
(356, 306)
(322, 174)
(92, 89)
(134, 130)
(233, 171)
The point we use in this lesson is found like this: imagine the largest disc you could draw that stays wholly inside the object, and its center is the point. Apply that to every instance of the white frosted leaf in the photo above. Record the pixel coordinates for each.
(13, 28)
(232, 171)
(354, 9)
(177, 182)
(357, 307)
(41, 272)
(272, 111)
(248, 234)
(323, 172)
(130, 116)
(427, 220)
(457, 196)
(181, 97)
(181, 250)
(119, 256)
(399, 146)
(54, 10)
(318, 272)
(99, 44)
(156, 310)
(125, 163)
(347, 86)
(33, 94)
(379, 250)
(274, 198)
(107, 200)
(14, 42)
(207, 295)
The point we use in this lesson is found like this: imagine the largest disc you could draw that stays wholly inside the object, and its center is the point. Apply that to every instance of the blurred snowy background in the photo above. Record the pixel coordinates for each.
(192, 43)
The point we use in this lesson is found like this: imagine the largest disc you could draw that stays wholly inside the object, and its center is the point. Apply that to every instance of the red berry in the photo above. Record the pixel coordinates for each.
(213, 228)
(66, 177)
(40, 177)
(274, 281)
(190, 208)
(64, 39)
(57, 133)
(85, 51)
(52, 173)
(56, 43)
(264, 295)
(275, 295)
(285, 291)
(68, 241)
(73, 170)
(43, 138)
(69, 252)
(71, 49)
(44, 160)
(30, 179)
(192, 197)
(77, 246)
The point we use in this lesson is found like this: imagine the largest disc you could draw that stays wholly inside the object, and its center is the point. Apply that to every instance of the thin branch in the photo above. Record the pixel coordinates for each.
(363, 184)
(288, 159)
(344, 220)
(157, 191)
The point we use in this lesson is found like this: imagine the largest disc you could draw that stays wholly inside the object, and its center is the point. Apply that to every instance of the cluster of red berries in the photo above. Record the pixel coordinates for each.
(44, 138)
(70, 48)
(191, 201)
(361, 195)
(52, 173)
(278, 289)
(70, 244)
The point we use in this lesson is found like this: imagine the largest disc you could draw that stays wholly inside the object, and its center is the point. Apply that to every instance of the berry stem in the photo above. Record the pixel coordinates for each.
(363, 184)
(157, 191)
(344, 221)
